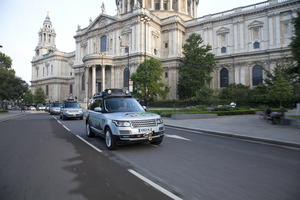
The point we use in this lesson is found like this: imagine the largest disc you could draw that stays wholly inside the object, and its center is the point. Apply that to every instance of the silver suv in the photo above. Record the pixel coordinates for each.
(120, 119)
(70, 109)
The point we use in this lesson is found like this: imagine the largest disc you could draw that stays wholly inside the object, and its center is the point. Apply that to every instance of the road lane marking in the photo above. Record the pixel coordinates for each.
(66, 128)
(89, 144)
(161, 189)
(177, 137)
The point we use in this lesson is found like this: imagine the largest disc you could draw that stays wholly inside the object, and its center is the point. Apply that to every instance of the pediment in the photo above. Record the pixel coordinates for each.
(223, 30)
(101, 21)
(255, 24)
(126, 31)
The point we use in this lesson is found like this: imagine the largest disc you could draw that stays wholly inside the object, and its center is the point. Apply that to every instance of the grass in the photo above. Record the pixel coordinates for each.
(295, 116)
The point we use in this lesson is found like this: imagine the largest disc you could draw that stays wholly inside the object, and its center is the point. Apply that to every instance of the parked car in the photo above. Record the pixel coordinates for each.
(32, 108)
(120, 119)
(47, 107)
(55, 108)
(70, 109)
(41, 107)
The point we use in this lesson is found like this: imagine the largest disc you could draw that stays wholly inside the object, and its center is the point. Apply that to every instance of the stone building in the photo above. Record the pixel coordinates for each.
(243, 39)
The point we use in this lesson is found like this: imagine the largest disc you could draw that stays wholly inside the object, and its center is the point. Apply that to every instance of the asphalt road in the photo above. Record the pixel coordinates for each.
(188, 164)
(40, 159)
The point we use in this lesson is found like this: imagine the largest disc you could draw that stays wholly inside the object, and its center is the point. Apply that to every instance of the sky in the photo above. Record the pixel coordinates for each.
(20, 22)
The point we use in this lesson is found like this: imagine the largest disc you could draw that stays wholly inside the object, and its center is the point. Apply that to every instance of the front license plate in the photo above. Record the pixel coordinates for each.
(145, 130)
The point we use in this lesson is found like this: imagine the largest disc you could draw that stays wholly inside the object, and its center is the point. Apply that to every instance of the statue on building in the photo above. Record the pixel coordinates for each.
(103, 8)
(119, 10)
(91, 20)
(78, 27)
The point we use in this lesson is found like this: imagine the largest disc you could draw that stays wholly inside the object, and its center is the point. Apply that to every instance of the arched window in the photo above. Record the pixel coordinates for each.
(71, 89)
(126, 77)
(224, 77)
(83, 82)
(256, 75)
(47, 90)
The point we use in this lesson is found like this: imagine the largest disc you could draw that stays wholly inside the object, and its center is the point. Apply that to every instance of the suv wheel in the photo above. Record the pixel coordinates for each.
(60, 116)
(109, 140)
(88, 131)
(63, 117)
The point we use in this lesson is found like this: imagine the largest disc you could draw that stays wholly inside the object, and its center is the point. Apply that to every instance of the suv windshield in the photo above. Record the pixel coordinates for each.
(56, 105)
(122, 105)
(72, 105)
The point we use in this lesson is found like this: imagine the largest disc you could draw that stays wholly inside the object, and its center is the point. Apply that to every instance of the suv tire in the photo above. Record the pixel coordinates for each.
(109, 140)
(60, 116)
(63, 117)
(88, 131)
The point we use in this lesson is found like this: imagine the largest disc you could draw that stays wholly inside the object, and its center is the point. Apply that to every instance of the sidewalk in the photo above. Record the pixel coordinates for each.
(248, 127)
(245, 127)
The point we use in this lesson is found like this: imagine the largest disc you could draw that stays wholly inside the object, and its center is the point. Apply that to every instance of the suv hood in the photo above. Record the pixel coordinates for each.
(124, 116)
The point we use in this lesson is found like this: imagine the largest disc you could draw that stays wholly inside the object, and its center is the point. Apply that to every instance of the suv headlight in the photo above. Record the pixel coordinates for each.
(159, 121)
(121, 123)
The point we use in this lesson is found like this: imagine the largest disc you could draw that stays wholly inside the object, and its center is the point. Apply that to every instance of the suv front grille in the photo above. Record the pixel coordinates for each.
(143, 123)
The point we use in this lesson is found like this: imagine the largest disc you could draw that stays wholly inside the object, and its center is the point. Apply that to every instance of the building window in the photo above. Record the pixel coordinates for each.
(256, 45)
(256, 75)
(126, 77)
(156, 6)
(37, 72)
(47, 90)
(83, 82)
(126, 50)
(103, 43)
(155, 51)
(43, 71)
(47, 69)
(71, 89)
(224, 77)
(70, 73)
(165, 6)
(51, 69)
(223, 50)
(166, 74)
(166, 45)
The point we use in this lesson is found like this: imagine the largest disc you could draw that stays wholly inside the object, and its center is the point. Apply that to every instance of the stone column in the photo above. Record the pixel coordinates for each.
(185, 2)
(161, 5)
(241, 35)
(143, 6)
(277, 29)
(93, 79)
(152, 5)
(179, 6)
(171, 6)
(128, 5)
(103, 77)
(123, 6)
(112, 77)
(271, 31)
(87, 82)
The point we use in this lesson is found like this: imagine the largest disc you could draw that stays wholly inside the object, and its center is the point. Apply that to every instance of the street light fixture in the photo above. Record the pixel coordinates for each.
(144, 19)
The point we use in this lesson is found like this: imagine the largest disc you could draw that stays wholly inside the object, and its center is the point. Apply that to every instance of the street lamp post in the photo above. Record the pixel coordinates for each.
(144, 19)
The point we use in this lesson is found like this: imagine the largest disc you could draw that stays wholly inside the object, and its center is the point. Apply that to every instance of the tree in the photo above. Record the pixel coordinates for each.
(197, 65)
(280, 90)
(28, 97)
(11, 87)
(283, 68)
(295, 45)
(39, 96)
(154, 80)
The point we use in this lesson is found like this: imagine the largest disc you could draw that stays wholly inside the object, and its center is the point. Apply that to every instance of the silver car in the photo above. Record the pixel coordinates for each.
(55, 108)
(120, 119)
(70, 109)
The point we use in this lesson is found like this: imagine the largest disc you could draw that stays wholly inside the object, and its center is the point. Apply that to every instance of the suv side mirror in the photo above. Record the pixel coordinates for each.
(144, 107)
(98, 109)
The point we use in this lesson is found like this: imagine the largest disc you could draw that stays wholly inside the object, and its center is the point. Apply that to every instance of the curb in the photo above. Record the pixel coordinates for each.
(232, 135)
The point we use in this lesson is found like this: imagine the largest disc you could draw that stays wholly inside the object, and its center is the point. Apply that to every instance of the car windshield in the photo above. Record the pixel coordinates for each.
(71, 105)
(56, 105)
(122, 105)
